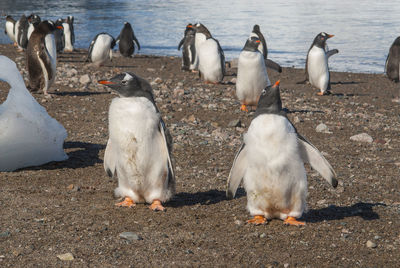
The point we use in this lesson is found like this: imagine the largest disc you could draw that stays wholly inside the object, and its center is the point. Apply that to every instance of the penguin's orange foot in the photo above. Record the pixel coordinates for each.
(293, 221)
(156, 206)
(244, 108)
(15, 44)
(320, 93)
(257, 220)
(20, 49)
(195, 71)
(128, 202)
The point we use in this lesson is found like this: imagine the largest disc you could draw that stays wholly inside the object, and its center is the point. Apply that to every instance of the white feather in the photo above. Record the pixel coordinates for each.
(101, 50)
(141, 159)
(317, 67)
(252, 77)
(210, 61)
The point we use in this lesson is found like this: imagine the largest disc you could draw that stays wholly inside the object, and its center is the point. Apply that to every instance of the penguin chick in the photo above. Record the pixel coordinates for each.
(317, 69)
(189, 50)
(252, 76)
(271, 164)
(125, 40)
(41, 57)
(101, 48)
(139, 147)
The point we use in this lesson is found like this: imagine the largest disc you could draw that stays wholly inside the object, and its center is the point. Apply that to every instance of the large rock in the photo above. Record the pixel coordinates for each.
(362, 137)
(85, 79)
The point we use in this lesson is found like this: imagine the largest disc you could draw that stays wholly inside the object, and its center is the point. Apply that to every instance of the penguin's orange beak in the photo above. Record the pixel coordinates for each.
(330, 35)
(258, 41)
(59, 27)
(105, 82)
(277, 83)
(189, 26)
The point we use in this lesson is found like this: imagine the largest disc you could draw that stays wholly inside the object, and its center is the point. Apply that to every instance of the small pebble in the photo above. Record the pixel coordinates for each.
(130, 236)
(66, 257)
(371, 244)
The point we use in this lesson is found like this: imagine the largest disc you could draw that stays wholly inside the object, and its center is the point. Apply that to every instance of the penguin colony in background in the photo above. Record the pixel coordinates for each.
(270, 161)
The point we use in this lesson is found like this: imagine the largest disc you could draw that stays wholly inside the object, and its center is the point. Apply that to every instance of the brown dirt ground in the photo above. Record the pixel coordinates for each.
(69, 206)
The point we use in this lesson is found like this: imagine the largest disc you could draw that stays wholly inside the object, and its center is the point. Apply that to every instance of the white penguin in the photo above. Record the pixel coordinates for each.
(211, 57)
(252, 76)
(139, 147)
(271, 164)
(28, 136)
(317, 69)
(101, 48)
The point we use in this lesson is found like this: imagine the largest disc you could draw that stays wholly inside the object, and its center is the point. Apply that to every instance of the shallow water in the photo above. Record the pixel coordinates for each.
(364, 30)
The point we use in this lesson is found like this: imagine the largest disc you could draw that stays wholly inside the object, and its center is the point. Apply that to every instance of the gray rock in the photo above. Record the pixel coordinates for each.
(322, 128)
(371, 244)
(130, 236)
(85, 79)
(235, 123)
(362, 137)
(66, 257)
(72, 72)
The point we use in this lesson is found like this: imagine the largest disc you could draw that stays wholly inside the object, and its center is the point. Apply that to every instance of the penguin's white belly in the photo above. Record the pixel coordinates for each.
(199, 39)
(275, 179)
(141, 162)
(252, 77)
(317, 66)
(210, 61)
(31, 28)
(16, 32)
(67, 36)
(189, 52)
(101, 49)
(51, 49)
(10, 30)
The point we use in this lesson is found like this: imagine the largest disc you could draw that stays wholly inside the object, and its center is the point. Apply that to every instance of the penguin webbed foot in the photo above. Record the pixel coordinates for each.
(157, 206)
(292, 221)
(257, 220)
(127, 202)
(244, 108)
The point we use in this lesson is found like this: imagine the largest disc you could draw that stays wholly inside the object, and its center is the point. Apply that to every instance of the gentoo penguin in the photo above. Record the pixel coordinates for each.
(271, 163)
(392, 65)
(252, 76)
(199, 38)
(9, 29)
(33, 21)
(262, 47)
(41, 57)
(188, 51)
(125, 40)
(59, 35)
(101, 48)
(139, 147)
(69, 34)
(317, 69)
(21, 32)
(211, 57)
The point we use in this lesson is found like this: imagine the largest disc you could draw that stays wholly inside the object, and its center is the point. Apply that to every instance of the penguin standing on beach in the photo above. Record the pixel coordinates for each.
(125, 41)
(211, 57)
(188, 50)
(262, 47)
(21, 32)
(59, 35)
(252, 76)
(41, 57)
(69, 34)
(33, 21)
(10, 29)
(139, 147)
(392, 65)
(101, 48)
(317, 69)
(271, 164)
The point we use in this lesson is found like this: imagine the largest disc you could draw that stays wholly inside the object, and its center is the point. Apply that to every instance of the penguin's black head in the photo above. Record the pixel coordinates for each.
(47, 26)
(34, 19)
(200, 28)
(190, 29)
(320, 39)
(270, 101)
(256, 28)
(252, 44)
(128, 85)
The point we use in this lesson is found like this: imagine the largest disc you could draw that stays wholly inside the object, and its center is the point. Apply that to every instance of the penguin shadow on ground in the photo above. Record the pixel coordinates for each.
(347, 95)
(302, 111)
(361, 209)
(209, 197)
(84, 155)
(80, 93)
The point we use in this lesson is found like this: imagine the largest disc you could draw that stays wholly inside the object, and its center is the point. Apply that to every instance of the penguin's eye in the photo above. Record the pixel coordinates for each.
(263, 92)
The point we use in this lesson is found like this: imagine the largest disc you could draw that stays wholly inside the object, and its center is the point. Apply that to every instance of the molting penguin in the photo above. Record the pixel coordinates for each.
(59, 35)
(33, 21)
(139, 147)
(317, 69)
(125, 40)
(262, 47)
(9, 29)
(41, 57)
(252, 76)
(101, 48)
(188, 51)
(69, 34)
(21, 33)
(211, 57)
(271, 164)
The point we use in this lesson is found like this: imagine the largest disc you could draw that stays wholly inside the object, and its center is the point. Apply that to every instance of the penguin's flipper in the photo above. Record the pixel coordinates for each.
(110, 159)
(331, 52)
(193, 52)
(237, 172)
(137, 42)
(91, 48)
(167, 146)
(273, 65)
(181, 43)
(222, 57)
(310, 154)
